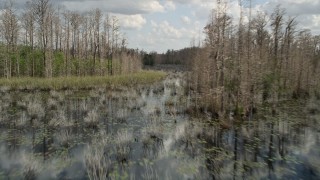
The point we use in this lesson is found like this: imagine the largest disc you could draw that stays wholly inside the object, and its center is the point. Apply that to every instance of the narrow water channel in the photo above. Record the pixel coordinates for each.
(145, 133)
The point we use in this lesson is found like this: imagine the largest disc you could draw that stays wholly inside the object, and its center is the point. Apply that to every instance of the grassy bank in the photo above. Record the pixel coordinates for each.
(88, 82)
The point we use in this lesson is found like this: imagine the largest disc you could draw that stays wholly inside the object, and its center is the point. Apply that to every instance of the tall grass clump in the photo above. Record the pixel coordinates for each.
(121, 115)
(31, 167)
(22, 120)
(60, 120)
(150, 173)
(35, 110)
(153, 133)
(64, 137)
(98, 164)
(92, 118)
(123, 141)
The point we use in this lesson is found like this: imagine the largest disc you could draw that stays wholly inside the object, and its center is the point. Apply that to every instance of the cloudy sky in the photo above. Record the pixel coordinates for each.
(158, 25)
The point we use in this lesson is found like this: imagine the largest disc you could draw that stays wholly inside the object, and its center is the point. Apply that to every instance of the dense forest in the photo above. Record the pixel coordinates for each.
(264, 60)
(48, 41)
(241, 64)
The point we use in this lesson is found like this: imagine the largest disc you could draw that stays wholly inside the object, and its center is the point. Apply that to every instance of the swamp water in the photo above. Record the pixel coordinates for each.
(144, 133)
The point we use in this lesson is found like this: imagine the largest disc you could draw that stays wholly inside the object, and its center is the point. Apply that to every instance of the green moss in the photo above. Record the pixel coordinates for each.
(88, 82)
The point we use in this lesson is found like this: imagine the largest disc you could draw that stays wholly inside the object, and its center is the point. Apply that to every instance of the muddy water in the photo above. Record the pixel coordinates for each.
(144, 133)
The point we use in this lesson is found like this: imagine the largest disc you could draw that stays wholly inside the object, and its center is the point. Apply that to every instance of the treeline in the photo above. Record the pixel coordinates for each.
(265, 60)
(178, 57)
(47, 41)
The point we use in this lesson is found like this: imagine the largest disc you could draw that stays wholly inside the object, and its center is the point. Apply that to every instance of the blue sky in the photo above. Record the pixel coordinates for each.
(158, 25)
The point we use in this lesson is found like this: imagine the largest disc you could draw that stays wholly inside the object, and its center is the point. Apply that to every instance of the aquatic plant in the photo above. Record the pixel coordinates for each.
(5, 100)
(137, 104)
(313, 106)
(103, 100)
(98, 164)
(157, 111)
(35, 109)
(56, 95)
(52, 104)
(94, 93)
(150, 173)
(123, 140)
(60, 120)
(4, 89)
(121, 115)
(92, 118)
(153, 132)
(64, 137)
(3, 116)
(84, 106)
(31, 167)
(22, 120)
(21, 104)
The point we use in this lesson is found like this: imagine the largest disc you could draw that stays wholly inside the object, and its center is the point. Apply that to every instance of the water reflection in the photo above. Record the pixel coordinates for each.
(144, 133)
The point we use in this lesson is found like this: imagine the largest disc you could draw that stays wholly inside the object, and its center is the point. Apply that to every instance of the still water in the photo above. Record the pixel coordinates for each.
(144, 133)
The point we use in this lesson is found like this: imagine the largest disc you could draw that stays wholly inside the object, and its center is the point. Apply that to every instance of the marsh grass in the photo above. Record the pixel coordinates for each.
(31, 167)
(64, 137)
(92, 119)
(22, 120)
(150, 173)
(60, 120)
(35, 109)
(123, 141)
(97, 163)
(88, 82)
(96, 157)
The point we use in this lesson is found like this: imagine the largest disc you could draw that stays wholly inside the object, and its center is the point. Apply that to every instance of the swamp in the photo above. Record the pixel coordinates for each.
(159, 90)
(148, 133)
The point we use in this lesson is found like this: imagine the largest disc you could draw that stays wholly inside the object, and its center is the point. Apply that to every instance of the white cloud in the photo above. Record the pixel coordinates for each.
(132, 21)
(166, 30)
(169, 6)
(185, 20)
(116, 6)
(296, 7)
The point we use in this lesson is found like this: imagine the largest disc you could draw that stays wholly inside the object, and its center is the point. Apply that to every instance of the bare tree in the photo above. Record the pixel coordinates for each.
(28, 23)
(10, 29)
(42, 9)
(286, 48)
